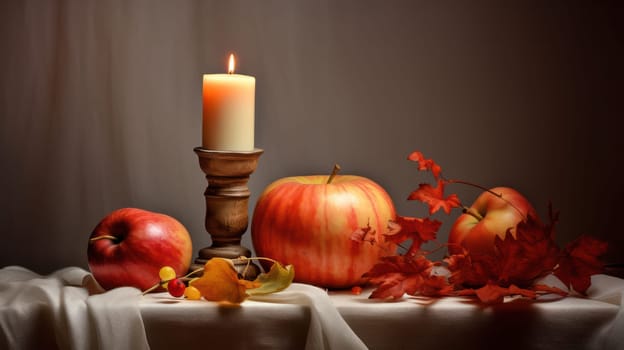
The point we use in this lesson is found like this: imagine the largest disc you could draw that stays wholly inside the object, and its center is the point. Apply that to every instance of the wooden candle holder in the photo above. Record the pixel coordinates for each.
(227, 203)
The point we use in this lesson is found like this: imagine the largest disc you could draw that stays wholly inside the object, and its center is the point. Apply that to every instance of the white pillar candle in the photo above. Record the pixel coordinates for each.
(228, 111)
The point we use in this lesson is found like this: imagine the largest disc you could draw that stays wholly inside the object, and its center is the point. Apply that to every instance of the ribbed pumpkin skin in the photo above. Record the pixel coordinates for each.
(307, 223)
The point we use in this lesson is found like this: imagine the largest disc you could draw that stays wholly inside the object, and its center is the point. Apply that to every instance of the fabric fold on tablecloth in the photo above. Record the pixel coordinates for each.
(328, 330)
(31, 303)
(609, 290)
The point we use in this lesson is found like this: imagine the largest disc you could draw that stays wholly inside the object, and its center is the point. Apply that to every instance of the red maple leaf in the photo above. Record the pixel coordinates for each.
(434, 197)
(580, 261)
(436, 286)
(533, 253)
(472, 270)
(419, 230)
(425, 164)
(549, 289)
(397, 275)
(493, 293)
(517, 262)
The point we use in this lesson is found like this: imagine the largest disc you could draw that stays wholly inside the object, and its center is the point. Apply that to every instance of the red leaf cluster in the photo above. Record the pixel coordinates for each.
(417, 230)
(432, 196)
(400, 274)
(512, 270)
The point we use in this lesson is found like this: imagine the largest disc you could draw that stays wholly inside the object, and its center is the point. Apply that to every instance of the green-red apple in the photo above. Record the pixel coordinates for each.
(488, 217)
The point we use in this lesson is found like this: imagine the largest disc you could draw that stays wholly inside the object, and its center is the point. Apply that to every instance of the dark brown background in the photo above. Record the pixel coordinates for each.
(100, 106)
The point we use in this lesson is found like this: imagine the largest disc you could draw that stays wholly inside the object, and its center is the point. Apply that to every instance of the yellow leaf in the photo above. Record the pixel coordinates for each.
(278, 278)
(220, 282)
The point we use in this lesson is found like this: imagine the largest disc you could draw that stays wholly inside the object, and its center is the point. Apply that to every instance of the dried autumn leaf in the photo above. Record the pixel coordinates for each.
(532, 254)
(580, 261)
(220, 282)
(549, 289)
(434, 197)
(472, 270)
(494, 294)
(362, 234)
(398, 275)
(278, 278)
(425, 164)
(419, 230)
(436, 286)
(491, 294)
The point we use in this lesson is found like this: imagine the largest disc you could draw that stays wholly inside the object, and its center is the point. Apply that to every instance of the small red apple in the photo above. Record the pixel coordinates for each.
(307, 222)
(129, 246)
(488, 217)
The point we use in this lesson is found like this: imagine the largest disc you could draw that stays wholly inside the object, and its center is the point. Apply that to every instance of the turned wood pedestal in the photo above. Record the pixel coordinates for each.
(227, 204)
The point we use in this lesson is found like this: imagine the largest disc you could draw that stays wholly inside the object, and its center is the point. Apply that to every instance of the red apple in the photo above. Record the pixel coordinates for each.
(307, 222)
(129, 246)
(488, 217)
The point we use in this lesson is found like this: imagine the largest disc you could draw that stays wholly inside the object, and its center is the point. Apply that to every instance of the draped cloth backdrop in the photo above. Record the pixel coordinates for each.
(100, 106)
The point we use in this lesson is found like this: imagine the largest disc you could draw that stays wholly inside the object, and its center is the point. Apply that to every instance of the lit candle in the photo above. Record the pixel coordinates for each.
(228, 111)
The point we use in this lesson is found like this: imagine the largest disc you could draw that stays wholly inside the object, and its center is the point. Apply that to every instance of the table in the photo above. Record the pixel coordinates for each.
(455, 323)
(57, 311)
(447, 323)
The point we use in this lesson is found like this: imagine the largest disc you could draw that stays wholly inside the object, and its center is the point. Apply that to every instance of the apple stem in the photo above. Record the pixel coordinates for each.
(112, 238)
(472, 212)
(333, 174)
(499, 195)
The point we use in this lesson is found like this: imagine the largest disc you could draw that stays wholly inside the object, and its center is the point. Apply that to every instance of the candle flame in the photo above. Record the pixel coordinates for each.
(231, 64)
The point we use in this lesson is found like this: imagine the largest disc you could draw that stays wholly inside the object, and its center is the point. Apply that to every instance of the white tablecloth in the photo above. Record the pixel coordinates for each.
(56, 311)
